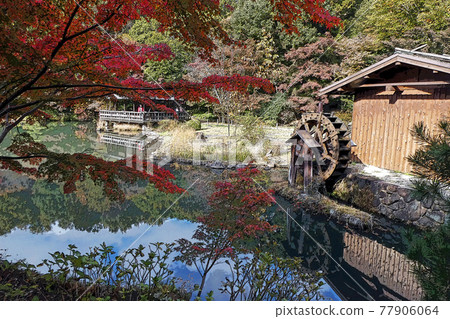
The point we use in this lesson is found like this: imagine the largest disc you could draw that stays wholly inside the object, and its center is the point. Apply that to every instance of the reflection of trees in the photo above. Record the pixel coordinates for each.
(14, 213)
(91, 195)
(34, 159)
(11, 182)
(153, 203)
(53, 206)
(87, 209)
(50, 205)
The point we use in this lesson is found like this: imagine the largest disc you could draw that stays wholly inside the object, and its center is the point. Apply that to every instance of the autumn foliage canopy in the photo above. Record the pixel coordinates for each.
(58, 52)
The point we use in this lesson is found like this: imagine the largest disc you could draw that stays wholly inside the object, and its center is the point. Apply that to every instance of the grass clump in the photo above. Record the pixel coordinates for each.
(342, 191)
(359, 197)
(363, 198)
(181, 143)
(242, 153)
(167, 125)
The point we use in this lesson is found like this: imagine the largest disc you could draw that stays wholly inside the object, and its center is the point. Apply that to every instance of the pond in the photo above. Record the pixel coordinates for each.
(36, 218)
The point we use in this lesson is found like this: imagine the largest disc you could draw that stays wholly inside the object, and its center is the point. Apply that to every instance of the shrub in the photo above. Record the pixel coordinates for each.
(140, 273)
(431, 250)
(431, 253)
(267, 277)
(431, 162)
(271, 111)
(252, 127)
(204, 117)
(195, 124)
(346, 117)
(236, 216)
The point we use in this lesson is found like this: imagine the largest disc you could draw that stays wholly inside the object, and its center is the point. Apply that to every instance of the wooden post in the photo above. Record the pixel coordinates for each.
(302, 155)
(320, 107)
(307, 167)
(292, 167)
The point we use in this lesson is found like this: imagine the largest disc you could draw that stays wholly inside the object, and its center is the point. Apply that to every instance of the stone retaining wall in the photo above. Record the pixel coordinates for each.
(393, 201)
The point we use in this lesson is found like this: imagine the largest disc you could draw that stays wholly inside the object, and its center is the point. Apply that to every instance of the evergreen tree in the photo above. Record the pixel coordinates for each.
(431, 162)
(431, 250)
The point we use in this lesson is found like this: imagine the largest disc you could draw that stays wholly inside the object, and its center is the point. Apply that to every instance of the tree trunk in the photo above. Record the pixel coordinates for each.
(202, 285)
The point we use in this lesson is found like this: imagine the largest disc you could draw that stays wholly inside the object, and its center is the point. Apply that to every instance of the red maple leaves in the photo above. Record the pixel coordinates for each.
(58, 53)
(236, 217)
(66, 51)
(237, 205)
(70, 168)
(287, 12)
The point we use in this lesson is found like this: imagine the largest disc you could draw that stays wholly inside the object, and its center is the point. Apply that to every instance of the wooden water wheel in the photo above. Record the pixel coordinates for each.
(321, 147)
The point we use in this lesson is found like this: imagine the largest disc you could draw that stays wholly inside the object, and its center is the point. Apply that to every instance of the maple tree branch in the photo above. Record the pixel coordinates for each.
(89, 96)
(10, 109)
(22, 157)
(72, 16)
(92, 27)
(118, 87)
(9, 127)
(55, 51)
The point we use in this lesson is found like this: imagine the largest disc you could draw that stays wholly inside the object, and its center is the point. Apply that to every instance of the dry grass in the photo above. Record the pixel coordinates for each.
(181, 142)
(167, 125)
(346, 117)
(178, 140)
(361, 198)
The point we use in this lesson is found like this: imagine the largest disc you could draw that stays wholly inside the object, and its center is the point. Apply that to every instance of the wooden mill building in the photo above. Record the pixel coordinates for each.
(390, 96)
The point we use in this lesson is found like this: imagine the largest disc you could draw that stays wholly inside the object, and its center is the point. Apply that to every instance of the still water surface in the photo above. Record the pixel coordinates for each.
(37, 218)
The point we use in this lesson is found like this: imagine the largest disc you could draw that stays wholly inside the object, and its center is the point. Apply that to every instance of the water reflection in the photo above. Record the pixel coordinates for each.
(37, 218)
(38, 205)
(370, 268)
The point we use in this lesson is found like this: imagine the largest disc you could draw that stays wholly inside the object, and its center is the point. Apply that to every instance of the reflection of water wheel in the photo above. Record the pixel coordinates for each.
(333, 137)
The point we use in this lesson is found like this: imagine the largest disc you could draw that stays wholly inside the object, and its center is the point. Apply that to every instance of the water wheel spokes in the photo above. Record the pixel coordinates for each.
(333, 155)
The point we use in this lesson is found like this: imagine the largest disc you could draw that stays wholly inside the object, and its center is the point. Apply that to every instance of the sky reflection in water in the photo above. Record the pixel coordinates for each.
(22, 244)
(45, 220)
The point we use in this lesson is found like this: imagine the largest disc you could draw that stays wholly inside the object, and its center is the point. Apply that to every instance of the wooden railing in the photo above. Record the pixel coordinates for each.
(122, 116)
(155, 116)
(139, 117)
(123, 141)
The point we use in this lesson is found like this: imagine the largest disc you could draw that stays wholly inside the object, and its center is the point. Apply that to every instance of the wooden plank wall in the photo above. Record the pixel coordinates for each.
(381, 125)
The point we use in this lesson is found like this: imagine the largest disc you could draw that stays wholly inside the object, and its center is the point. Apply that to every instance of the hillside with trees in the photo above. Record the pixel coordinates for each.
(298, 64)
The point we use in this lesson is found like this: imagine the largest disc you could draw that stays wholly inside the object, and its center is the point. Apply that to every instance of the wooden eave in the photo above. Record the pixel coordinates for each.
(358, 79)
